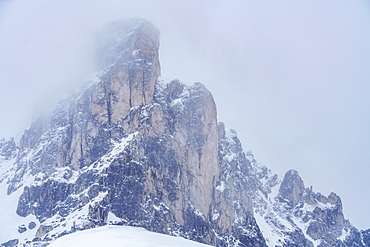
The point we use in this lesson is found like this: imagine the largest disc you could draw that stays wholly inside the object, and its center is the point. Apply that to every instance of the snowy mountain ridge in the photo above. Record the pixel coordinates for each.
(135, 149)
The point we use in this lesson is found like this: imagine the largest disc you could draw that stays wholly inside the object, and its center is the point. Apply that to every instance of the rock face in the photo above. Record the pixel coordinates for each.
(82, 126)
(297, 216)
(292, 188)
(134, 149)
(8, 149)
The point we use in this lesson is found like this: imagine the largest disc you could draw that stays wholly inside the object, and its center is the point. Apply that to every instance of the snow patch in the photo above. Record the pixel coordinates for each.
(344, 235)
(112, 219)
(322, 206)
(271, 237)
(303, 226)
(215, 216)
(10, 220)
(230, 134)
(118, 147)
(221, 187)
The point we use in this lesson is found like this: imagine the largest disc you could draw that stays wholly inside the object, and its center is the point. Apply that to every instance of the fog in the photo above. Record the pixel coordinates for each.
(291, 77)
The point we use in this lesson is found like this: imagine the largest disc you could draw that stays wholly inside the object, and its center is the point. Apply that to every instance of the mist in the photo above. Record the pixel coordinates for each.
(291, 77)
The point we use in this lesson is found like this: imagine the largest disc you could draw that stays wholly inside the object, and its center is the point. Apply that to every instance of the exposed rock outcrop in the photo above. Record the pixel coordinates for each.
(292, 188)
(8, 149)
(298, 216)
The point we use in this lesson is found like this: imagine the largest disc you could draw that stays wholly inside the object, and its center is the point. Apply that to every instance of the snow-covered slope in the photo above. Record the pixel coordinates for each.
(118, 236)
(286, 212)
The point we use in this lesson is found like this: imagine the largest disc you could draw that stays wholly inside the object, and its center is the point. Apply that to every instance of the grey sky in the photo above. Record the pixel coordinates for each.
(291, 77)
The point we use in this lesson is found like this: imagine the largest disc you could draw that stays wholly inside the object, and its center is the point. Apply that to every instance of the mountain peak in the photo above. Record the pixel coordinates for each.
(128, 39)
(135, 150)
(292, 187)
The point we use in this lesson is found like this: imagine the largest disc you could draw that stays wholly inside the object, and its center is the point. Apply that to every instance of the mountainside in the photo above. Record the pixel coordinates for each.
(135, 149)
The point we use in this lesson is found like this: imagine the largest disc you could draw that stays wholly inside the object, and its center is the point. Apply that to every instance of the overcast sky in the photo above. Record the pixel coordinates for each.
(291, 77)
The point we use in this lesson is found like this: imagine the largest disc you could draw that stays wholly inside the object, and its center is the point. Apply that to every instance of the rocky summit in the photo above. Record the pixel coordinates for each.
(135, 149)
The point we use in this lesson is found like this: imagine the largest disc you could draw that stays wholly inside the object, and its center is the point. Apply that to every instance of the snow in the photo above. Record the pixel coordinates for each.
(322, 206)
(230, 134)
(270, 236)
(178, 103)
(344, 235)
(117, 236)
(230, 157)
(215, 216)
(182, 98)
(10, 221)
(197, 212)
(76, 219)
(283, 224)
(135, 52)
(59, 175)
(112, 219)
(221, 187)
(249, 155)
(118, 147)
(303, 226)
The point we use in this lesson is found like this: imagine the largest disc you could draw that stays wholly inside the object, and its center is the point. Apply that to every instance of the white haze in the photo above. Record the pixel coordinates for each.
(292, 77)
